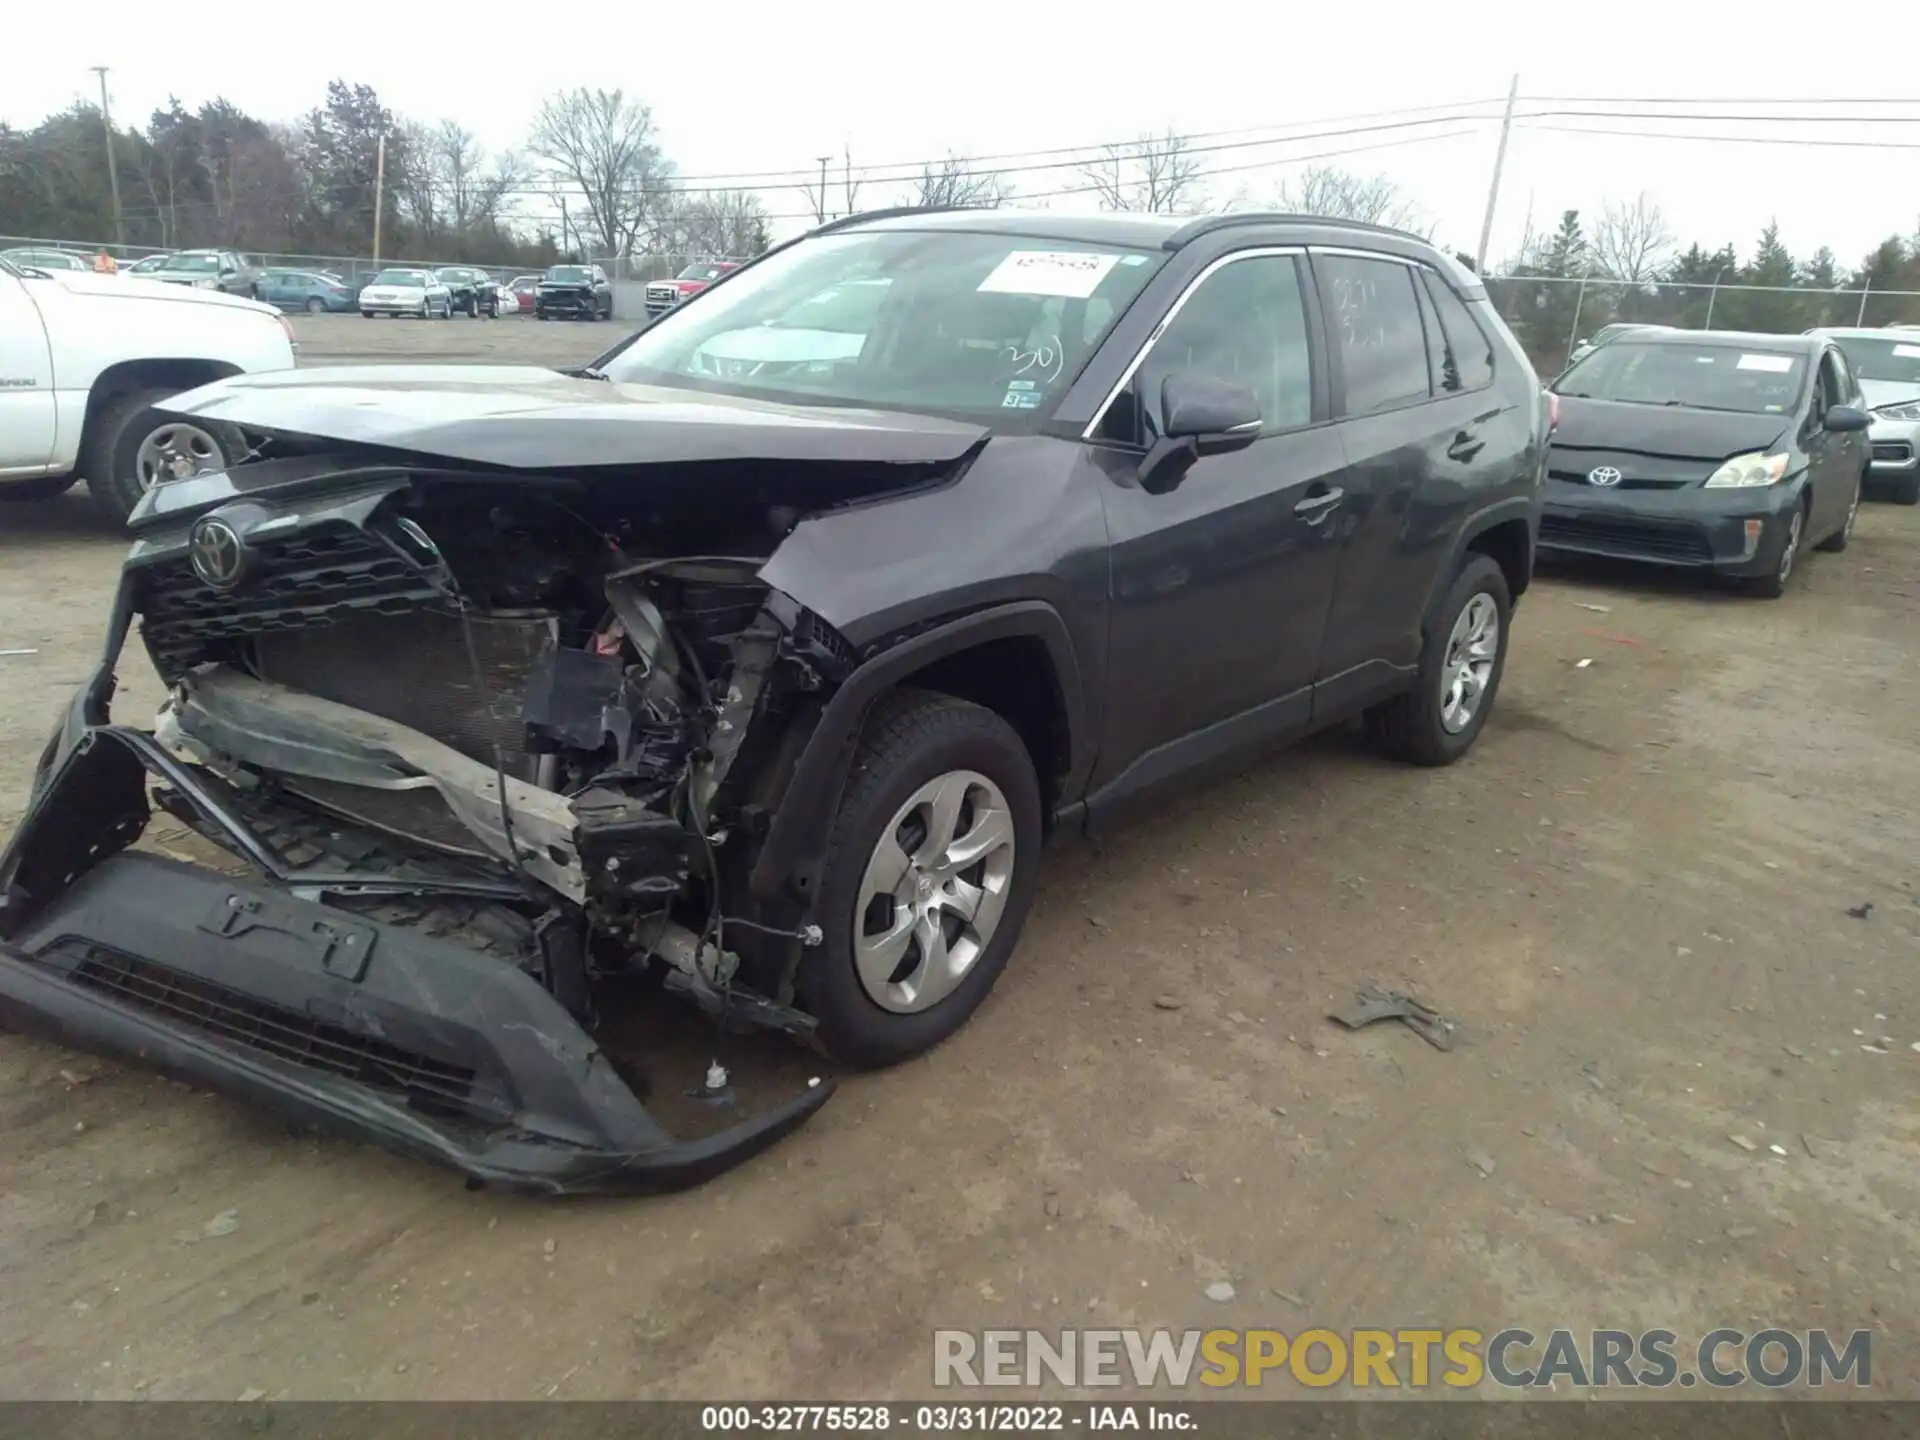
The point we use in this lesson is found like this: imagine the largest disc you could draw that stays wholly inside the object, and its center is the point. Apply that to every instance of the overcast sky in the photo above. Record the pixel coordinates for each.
(746, 87)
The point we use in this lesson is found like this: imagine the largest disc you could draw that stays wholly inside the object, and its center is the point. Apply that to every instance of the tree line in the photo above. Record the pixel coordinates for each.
(217, 176)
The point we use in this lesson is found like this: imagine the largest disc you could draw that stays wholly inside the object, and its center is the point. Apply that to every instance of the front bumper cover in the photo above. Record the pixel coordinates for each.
(1686, 527)
(253, 988)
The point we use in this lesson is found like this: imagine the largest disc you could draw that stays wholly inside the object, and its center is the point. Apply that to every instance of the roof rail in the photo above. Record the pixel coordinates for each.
(1207, 224)
(893, 212)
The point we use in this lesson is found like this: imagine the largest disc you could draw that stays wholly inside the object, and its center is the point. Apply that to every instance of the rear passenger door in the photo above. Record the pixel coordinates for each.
(1423, 431)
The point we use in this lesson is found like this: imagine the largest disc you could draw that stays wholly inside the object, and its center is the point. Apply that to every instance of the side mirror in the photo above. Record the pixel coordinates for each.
(1844, 418)
(1199, 415)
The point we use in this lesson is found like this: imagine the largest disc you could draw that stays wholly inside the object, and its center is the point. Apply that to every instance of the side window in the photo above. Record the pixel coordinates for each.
(1467, 344)
(1443, 370)
(1373, 320)
(1827, 390)
(1849, 391)
(1245, 323)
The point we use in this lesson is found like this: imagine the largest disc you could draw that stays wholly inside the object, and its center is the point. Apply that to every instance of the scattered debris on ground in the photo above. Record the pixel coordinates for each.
(1374, 1004)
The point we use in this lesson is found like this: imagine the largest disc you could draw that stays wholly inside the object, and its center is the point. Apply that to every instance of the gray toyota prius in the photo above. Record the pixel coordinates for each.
(1724, 452)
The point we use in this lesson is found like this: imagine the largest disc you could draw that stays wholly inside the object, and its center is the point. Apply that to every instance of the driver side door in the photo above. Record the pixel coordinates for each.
(1834, 460)
(1219, 588)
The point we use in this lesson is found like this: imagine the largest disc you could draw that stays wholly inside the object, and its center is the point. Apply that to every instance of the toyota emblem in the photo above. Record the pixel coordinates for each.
(1603, 475)
(219, 555)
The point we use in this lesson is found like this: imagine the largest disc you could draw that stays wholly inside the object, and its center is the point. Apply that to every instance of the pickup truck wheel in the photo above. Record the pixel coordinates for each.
(43, 487)
(129, 446)
(1437, 721)
(931, 866)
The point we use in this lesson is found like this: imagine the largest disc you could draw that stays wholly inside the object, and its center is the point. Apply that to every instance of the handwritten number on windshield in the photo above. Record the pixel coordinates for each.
(1044, 360)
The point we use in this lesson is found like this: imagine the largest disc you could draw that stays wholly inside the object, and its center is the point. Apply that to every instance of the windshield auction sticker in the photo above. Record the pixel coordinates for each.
(1072, 274)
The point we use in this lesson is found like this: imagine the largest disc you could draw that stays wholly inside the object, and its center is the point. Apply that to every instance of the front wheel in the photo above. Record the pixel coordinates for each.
(1773, 585)
(1437, 721)
(1907, 491)
(931, 866)
(1843, 537)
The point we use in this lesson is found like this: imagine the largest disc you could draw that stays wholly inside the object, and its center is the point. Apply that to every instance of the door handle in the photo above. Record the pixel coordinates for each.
(1316, 508)
(1464, 447)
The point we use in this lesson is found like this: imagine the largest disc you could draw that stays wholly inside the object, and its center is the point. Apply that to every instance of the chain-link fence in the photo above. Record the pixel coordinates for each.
(1551, 315)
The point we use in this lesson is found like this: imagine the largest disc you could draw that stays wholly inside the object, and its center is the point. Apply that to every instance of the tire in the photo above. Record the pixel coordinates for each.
(913, 740)
(315, 305)
(1907, 492)
(1772, 586)
(43, 487)
(1842, 537)
(367, 315)
(109, 451)
(1414, 726)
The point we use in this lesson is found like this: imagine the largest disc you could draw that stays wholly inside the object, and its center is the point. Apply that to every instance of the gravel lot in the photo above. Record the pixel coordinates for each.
(1634, 896)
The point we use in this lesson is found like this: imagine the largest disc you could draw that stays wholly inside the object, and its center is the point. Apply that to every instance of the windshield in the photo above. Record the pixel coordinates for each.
(1897, 361)
(985, 326)
(198, 264)
(1702, 377)
(570, 273)
(702, 272)
(411, 279)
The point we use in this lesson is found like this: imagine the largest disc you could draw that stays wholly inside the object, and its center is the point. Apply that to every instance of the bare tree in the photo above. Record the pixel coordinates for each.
(853, 185)
(1632, 241)
(1153, 173)
(722, 224)
(954, 182)
(1343, 195)
(602, 144)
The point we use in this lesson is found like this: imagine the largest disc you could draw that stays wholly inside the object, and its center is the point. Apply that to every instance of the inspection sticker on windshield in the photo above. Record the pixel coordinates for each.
(1072, 274)
(1772, 364)
(1907, 352)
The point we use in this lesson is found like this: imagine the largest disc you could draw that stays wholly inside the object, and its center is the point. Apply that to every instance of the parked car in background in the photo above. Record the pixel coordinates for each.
(1606, 333)
(474, 291)
(307, 290)
(573, 292)
(224, 270)
(403, 290)
(37, 258)
(522, 288)
(86, 358)
(144, 267)
(1887, 367)
(663, 295)
(1713, 450)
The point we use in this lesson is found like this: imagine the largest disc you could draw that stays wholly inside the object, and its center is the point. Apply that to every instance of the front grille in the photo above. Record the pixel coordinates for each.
(1626, 536)
(314, 579)
(1892, 452)
(429, 1084)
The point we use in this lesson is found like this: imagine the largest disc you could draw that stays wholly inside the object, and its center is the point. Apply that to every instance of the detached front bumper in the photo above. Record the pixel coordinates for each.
(253, 988)
(1726, 532)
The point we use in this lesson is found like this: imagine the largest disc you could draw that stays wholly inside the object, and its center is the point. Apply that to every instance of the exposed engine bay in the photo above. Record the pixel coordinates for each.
(503, 688)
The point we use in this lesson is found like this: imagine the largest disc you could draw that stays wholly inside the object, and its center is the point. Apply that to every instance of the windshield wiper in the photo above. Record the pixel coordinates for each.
(587, 372)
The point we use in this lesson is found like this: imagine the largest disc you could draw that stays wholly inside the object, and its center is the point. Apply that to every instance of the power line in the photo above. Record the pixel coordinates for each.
(1718, 115)
(1725, 100)
(1731, 139)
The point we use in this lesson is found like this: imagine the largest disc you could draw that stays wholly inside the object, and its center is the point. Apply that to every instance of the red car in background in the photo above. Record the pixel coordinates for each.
(521, 288)
(663, 295)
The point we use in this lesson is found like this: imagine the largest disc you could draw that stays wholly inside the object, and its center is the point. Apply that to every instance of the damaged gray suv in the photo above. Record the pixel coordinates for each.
(761, 655)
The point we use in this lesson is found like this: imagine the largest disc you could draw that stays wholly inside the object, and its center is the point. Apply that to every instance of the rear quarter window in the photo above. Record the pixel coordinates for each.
(1468, 352)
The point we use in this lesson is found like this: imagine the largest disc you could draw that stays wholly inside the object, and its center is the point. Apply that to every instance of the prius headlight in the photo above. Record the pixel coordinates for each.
(1745, 472)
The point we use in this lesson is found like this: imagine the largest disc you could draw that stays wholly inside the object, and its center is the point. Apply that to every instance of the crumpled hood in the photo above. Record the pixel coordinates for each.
(1670, 431)
(522, 417)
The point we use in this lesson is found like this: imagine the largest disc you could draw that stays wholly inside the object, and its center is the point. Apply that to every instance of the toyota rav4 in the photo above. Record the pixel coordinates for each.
(769, 673)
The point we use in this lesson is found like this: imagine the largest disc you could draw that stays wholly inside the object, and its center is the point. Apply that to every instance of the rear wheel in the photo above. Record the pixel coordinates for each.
(1437, 721)
(130, 447)
(931, 866)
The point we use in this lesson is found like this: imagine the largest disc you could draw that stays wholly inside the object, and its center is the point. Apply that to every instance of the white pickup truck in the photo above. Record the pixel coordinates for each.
(84, 357)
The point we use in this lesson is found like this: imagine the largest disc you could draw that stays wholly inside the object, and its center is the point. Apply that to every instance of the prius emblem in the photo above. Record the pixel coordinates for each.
(219, 555)
(1603, 475)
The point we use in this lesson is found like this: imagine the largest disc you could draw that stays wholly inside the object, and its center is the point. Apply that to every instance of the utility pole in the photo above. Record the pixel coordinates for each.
(1493, 190)
(820, 210)
(379, 193)
(113, 167)
(566, 237)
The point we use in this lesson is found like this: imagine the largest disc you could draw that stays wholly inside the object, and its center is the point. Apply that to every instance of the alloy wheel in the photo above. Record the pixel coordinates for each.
(934, 890)
(1791, 551)
(1472, 649)
(176, 451)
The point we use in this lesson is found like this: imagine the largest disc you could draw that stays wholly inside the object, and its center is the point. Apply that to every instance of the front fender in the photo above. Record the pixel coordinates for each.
(791, 855)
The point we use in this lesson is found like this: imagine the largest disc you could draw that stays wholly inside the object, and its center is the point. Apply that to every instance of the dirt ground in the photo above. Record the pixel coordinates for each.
(1634, 896)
